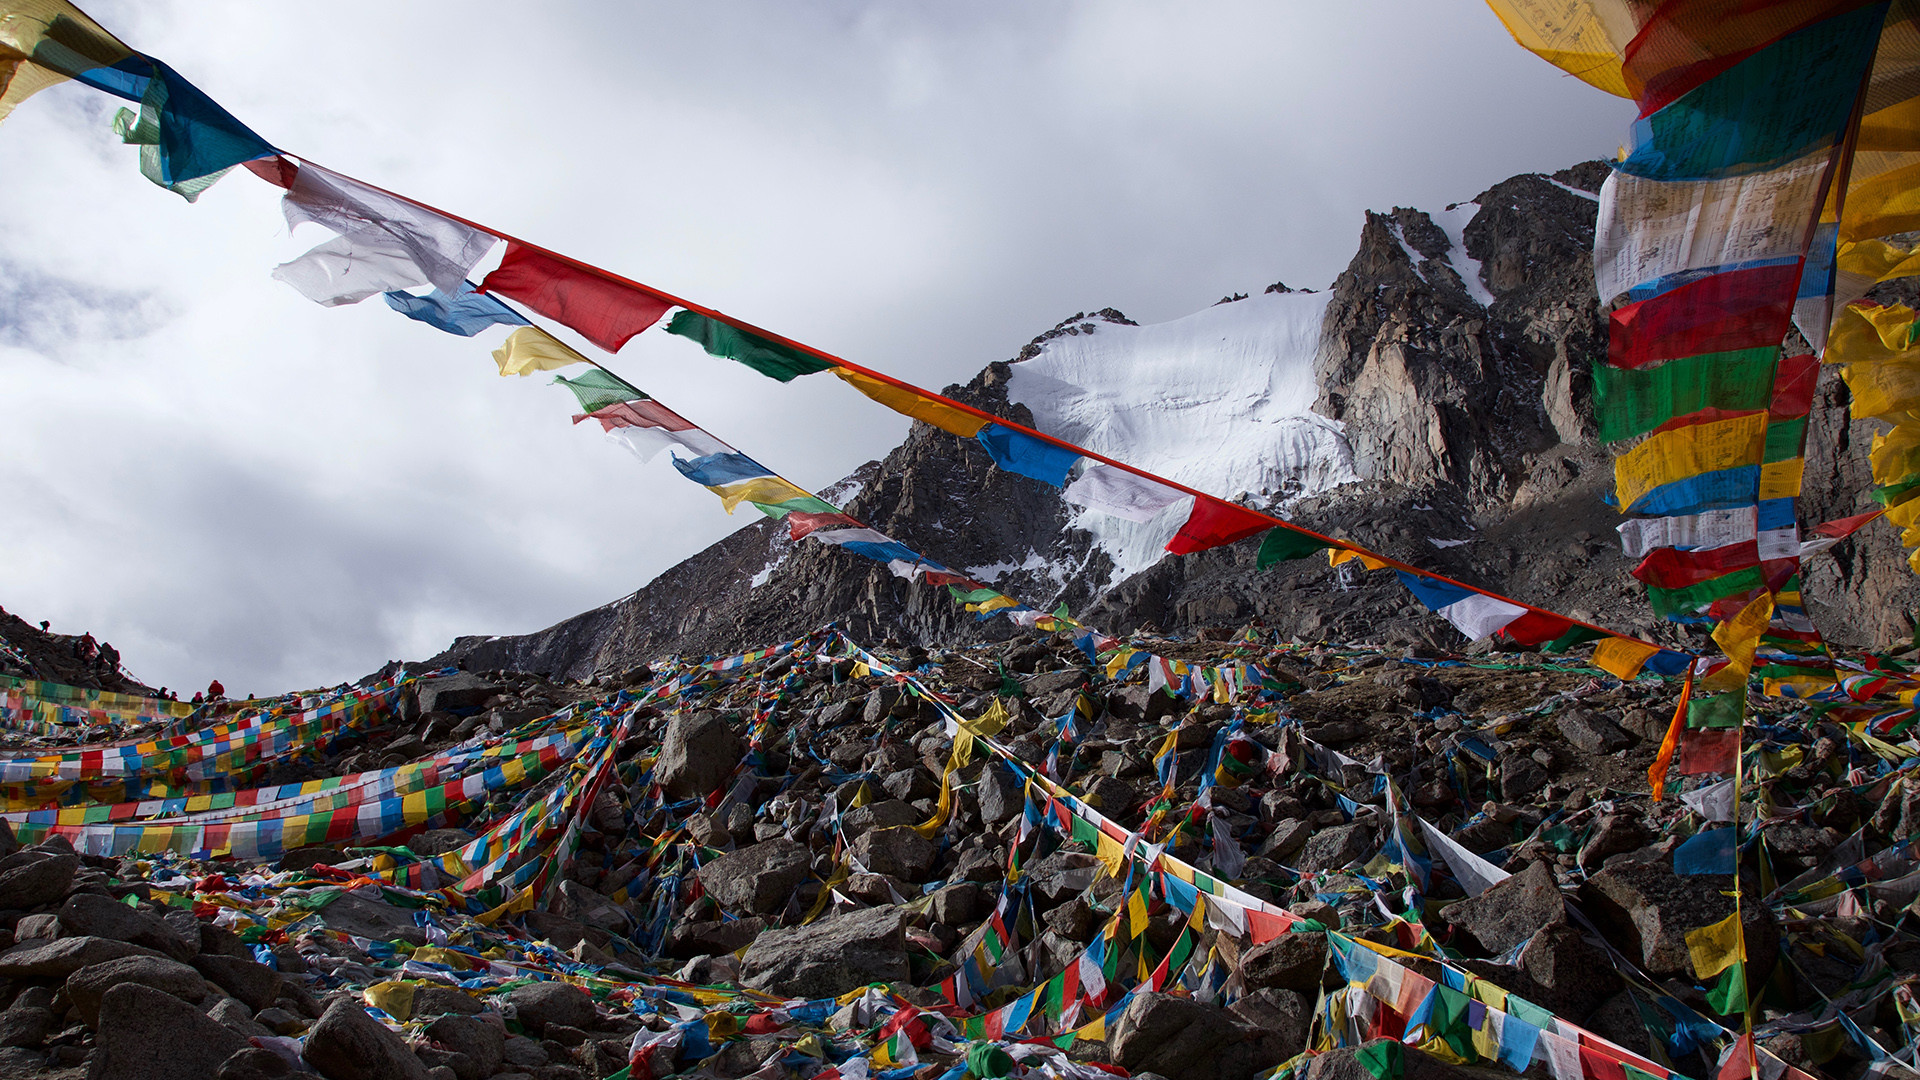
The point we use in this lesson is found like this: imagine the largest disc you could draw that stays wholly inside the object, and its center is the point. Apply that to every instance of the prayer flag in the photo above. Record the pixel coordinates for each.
(1726, 312)
(47, 42)
(597, 389)
(939, 413)
(1214, 523)
(1018, 452)
(1283, 544)
(186, 140)
(646, 427)
(769, 358)
(1476, 615)
(464, 312)
(443, 249)
(348, 269)
(600, 309)
(530, 349)
(1122, 494)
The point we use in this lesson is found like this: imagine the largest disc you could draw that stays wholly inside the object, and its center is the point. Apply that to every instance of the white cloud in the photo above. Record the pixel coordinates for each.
(224, 478)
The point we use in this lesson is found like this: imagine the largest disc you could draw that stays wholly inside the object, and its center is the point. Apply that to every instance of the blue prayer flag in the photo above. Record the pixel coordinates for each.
(1019, 452)
(466, 313)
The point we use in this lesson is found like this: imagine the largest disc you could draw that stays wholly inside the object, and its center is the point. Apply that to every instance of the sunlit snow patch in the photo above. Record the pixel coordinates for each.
(1221, 401)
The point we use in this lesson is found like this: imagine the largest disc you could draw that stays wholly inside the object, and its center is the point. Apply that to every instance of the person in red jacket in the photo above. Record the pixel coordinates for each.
(215, 690)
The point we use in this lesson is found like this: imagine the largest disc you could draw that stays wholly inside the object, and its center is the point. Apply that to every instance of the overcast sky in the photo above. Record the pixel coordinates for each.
(223, 478)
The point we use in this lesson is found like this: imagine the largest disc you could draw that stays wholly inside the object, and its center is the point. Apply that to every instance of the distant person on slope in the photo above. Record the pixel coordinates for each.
(215, 691)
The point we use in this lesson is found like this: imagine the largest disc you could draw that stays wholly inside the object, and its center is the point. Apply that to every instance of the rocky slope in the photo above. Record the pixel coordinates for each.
(1452, 355)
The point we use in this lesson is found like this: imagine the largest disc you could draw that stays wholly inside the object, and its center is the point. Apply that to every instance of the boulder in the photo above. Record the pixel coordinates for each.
(1572, 977)
(758, 879)
(254, 1063)
(435, 842)
(697, 754)
(38, 879)
(1286, 838)
(544, 1003)
(483, 1044)
(1278, 1021)
(1177, 1036)
(61, 957)
(898, 852)
(885, 814)
(830, 957)
(1293, 962)
(347, 1044)
(1387, 1057)
(26, 1025)
(87, 986)
(255, 984)
(145, 1034)
(461, 691)
(1511, 911)
(1332, 849)
(1592, 733)
(101, 916)
(1001, 794)
(1646, 909)
(440, 1000)
(367, 918)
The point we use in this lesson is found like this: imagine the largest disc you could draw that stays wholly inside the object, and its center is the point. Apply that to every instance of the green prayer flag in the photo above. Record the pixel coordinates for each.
(1629, 402)
(808, 505)
(1579, 635)
(773, 360)
(1667, 602)
(1785, 440)
(1383, 1059)
(596, 390)
(1716, 710)
(1280, 545)
(1729, 996)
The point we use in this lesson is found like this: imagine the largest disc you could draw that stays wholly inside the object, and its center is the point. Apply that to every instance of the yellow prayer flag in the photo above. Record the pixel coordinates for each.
(530, 349)
(1338, 555)
(393, 998)
(908, 403)
(1136, 912)
(1892, 323)
(1888, 389)
(1622, 657)
(760, 489)
(1584, 38)
(1883, 195)
(1738, 637)
(1112, 854)
(1717, 947)
(1781, 479)
(1681, 453)
(43, 42)
(993, 720)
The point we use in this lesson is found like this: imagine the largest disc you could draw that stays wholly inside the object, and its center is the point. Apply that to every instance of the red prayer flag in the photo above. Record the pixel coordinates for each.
(1674, 568)
(1213, 523)
(604, 311)
(1535, 628)
(799, 523)
(1840, 528)
(1686, 42)
(1793, 387)
(1740, 309)
(1709, 752)
(645, 414)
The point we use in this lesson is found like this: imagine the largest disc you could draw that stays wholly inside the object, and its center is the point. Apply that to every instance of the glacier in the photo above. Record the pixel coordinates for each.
(1221, 401)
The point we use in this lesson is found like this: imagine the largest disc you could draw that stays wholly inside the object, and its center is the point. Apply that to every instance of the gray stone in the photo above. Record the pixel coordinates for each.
(481, 1043)
(1344, 1064)
(1511, 911)
(25, 1025)
(1616, 834)
(1294, 962)
(758, 879)
(899, 852)
(523, 1053)
(697, 754)
(39, 879)
(1592, 733)
(830, 957)
(1002, 796)
(1521, 778)
(707, 938)
(101, 916)
(459, 691)
(885, 814)
(145, 1034)
(230, 1012)
(910, 784)
(1278, 1021)
(1646, 908)
(254, 1063)
(955, 905)
(544, 1003)
(438, 842)
(439, 1000)
(347, 1044)
(1177, 1036)
(1573, 978)
(362, 917)
(62, 957)
(253, 983)
(1286, 838)
(1337, 847)
(44, 925)
(87, 986)
(281, 1022)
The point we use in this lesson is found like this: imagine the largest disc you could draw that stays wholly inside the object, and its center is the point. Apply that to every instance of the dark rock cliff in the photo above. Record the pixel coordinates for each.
(1455, 349)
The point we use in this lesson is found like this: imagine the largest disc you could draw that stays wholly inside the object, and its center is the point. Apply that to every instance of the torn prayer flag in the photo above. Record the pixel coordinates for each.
(602, 310)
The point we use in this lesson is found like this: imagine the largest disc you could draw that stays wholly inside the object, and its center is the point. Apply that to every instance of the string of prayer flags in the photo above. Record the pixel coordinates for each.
(594, 305)
(186, 140)
(464, 311)
(1476, 615)
(530, 349)
(769, 358)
